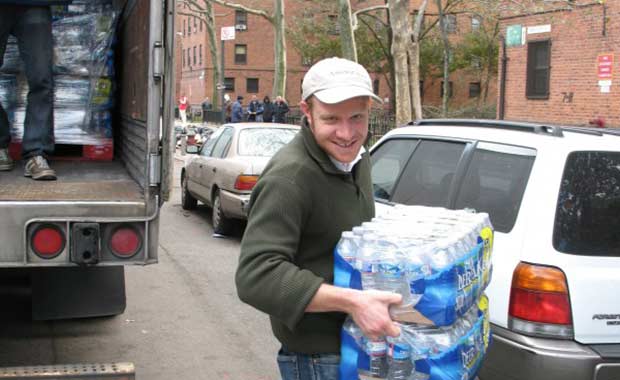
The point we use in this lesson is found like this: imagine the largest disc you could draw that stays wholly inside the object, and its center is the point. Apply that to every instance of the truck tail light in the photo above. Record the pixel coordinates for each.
(246, 182)
(48, 241)
(539, 302)
(125, 242)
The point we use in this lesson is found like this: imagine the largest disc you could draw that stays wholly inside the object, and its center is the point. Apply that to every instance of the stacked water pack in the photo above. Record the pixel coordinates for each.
(439, 260)
(83, 35)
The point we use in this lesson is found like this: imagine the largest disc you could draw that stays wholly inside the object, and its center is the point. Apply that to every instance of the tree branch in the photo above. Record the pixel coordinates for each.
(257, 12)
(365, 10)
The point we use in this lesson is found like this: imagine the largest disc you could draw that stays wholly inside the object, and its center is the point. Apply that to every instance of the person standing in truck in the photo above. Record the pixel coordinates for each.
(31, 23)
(312, 190)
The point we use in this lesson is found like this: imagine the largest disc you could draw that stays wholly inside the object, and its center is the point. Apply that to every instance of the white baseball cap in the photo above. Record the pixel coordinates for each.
(334, 80)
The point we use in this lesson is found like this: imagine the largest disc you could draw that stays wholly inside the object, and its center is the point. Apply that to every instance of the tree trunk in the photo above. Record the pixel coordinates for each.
(215, 55)
(401, 35)
(414, 63)
(446, 60)
(279, 80)
(347, 37)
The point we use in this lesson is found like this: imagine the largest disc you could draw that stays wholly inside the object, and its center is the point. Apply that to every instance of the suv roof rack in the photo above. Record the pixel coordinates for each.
(542, 129)
(593, 131)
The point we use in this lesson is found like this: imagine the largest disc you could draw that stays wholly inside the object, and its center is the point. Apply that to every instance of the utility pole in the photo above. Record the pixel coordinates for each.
(227, 33)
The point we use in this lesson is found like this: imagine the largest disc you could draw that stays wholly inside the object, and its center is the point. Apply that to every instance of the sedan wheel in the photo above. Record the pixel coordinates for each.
(221, 224)
(188, 202)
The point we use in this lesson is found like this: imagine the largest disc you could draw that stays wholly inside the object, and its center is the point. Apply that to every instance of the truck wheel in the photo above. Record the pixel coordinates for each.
(221, 224)
(188, 202)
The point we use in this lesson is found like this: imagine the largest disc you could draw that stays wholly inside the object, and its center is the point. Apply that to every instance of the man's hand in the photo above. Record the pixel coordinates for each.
(368, 308)
(371, 313)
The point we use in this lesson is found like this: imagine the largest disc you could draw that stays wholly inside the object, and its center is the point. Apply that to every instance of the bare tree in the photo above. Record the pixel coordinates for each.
(275, 18)
(203, 11)
(347, 38)
(446, 58)
(414, 62)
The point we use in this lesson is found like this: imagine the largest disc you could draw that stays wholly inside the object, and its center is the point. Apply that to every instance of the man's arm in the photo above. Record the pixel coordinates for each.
(369, 309)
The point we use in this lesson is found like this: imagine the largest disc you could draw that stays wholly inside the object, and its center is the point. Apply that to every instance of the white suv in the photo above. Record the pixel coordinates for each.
(553, 195)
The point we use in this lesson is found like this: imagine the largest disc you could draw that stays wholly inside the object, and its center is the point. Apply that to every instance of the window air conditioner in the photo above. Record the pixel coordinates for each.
(241, 27)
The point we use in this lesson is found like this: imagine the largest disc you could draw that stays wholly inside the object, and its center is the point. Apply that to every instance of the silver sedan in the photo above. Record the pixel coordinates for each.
(227, 167)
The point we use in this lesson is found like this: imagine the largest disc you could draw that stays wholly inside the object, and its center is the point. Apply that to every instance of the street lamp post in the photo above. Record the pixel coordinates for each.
(227, 33)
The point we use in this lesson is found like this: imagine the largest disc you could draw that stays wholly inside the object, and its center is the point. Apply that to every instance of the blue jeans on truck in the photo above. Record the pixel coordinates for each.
(296, 366)
(32, 26)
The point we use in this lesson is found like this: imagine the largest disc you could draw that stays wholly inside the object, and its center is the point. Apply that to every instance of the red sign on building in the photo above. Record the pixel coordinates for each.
(605, 64)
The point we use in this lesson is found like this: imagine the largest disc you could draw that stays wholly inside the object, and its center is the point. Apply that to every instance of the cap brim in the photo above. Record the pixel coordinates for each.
(340, 94)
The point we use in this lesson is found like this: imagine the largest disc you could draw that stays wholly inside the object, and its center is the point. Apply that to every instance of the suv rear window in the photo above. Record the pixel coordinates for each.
(495, 182)
(587, 217)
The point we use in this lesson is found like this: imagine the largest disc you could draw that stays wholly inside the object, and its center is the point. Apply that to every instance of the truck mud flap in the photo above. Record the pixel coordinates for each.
(108, 371)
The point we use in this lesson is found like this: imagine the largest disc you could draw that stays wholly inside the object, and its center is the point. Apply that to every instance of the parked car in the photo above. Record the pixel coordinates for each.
(227, 167)
(553, 195)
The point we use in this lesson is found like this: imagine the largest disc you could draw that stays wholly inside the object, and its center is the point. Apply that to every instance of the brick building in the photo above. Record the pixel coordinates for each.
(561, 64)
(249, 58)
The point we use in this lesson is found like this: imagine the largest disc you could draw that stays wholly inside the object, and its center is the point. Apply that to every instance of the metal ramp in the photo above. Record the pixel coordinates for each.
(91, 371)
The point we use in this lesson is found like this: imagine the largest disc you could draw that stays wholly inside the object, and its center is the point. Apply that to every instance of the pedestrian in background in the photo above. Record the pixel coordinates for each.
(267, 110)
(183, 108)
(280, 109)
(31, 23)
(227, 108)
(312, 190)
(254, 109)
(237, 110)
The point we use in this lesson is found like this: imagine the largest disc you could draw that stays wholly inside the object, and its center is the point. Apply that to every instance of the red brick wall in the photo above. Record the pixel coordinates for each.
(574, 93)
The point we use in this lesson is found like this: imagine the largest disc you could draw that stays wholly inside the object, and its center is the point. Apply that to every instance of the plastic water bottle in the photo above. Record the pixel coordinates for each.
(399, 358)
(367, 261)
(347, 247)
(377, 353)
(391, 268)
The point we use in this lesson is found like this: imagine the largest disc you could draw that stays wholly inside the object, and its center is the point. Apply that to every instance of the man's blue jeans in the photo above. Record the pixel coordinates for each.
(295, 366)
(32, 26)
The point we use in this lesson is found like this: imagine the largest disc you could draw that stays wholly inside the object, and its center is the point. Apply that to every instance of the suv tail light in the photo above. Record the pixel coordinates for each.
(47, 241)
(246, 182)
(125, 242)
(539, 302)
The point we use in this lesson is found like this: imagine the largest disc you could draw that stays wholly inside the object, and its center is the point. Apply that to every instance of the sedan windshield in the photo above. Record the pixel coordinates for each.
(263, 142)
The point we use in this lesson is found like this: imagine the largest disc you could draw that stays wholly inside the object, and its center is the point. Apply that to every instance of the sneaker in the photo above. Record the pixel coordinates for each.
(6, 163)
(38, 168)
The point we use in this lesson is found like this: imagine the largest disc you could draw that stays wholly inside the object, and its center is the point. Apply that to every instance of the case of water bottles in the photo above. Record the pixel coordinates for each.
(83, 36)
(439, 260)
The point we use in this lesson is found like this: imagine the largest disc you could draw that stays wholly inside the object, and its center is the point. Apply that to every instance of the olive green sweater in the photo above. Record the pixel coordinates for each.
(298, 209)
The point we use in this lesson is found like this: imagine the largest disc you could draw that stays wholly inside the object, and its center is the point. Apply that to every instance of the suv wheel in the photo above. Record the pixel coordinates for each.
(221, 224)
(188, 202)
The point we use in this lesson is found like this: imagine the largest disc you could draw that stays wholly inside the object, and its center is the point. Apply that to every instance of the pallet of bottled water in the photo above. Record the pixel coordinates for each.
(439, 260)
(420, 352)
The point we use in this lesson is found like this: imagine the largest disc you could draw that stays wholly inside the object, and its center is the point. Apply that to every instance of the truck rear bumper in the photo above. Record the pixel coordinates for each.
(514, 356)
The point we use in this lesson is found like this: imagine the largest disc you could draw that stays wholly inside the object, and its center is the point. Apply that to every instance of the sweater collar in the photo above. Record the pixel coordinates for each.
(319, 155)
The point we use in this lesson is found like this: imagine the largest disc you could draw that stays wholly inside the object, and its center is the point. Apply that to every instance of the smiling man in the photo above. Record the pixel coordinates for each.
(312, 190)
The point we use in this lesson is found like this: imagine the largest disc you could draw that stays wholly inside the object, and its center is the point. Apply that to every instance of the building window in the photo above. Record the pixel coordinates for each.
(200, 24)
(183, 28)
(334, 26)
(241, 20)
(183, 56)
(200, 55)
(189, 61)
(474, 89)
(229, 84)
(375, 86)
(189, 26)
(538, 69)
(195, 24)
(241, 54)
(251, 85)
(450, 92)
(450, 21)
(475, 23)
(305, 60)
(194, 55)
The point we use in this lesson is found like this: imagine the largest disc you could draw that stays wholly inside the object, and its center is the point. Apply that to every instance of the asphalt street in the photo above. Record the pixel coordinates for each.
(183, 318)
